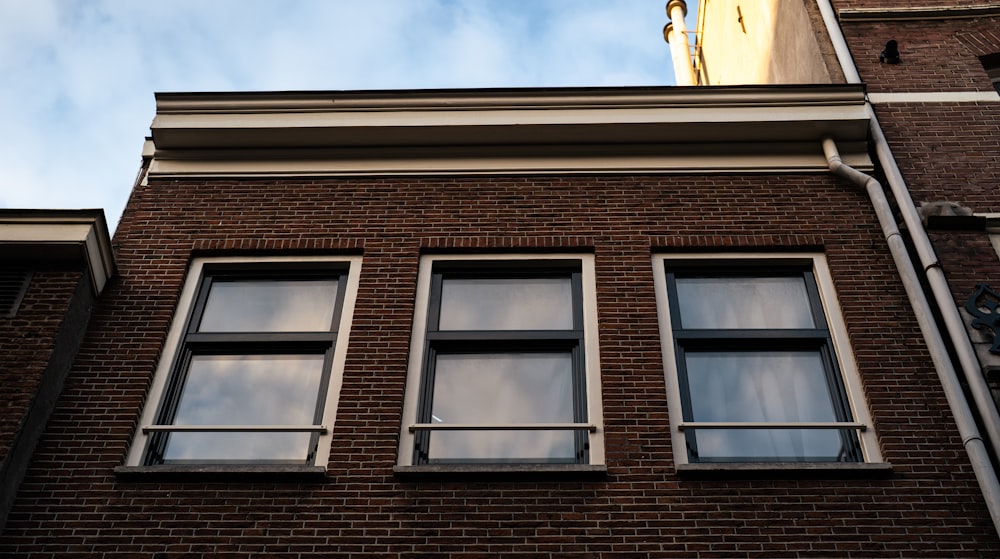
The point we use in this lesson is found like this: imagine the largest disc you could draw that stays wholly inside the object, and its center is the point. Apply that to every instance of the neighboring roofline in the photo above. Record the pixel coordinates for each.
(555, 130)
(58, 236)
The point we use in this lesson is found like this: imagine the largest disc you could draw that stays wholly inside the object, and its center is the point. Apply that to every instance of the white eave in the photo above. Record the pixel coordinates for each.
(55, 236)
(579, 130)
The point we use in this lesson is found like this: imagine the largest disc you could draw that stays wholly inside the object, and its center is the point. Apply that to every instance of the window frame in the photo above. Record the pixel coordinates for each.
(836, 350)
(426, 341)
(184, 341)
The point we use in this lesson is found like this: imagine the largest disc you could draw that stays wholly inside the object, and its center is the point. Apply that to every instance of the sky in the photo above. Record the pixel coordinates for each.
(77, 77)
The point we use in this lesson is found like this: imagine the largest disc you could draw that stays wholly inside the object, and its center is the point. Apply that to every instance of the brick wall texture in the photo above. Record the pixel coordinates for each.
(72, 504)
(947, 151)
(26, 344)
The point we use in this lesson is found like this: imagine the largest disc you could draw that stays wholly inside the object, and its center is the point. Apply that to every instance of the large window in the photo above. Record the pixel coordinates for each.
(756, 372)
(252, 371)
(503, 365)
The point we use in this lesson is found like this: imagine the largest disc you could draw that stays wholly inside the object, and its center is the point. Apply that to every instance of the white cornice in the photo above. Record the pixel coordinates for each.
(505, 131)
(59, 235)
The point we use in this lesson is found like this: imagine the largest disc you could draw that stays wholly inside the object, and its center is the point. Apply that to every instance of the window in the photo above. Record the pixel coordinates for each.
(756, 358)
(504, 365)
(253, 364)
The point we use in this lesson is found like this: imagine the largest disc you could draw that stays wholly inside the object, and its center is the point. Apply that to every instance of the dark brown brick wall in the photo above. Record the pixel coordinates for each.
(936, 55)
(855, 4)
(72, 505)
(26, 344)
(945, 151)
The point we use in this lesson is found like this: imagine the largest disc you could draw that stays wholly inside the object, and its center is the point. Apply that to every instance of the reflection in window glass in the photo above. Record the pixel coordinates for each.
(246, 390)
(775, 386)
(506, 304)
(503, 389)
(758, 386)
(743, 302)
(780, 445)
(270, 306)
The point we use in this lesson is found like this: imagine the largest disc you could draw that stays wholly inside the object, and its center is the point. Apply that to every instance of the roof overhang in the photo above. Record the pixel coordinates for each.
(572, 130)
(56, 236)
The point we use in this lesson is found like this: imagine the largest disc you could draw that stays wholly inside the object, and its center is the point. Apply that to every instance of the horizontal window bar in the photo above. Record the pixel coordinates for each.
(770, 425)
(502, 427)
(504, 335)
(234, 428)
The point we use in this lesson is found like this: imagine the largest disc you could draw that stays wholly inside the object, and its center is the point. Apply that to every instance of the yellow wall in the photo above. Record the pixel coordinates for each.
(761, 42)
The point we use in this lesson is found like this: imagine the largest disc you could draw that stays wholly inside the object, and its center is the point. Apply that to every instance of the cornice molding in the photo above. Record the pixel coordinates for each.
(59, 236)
(582, 130)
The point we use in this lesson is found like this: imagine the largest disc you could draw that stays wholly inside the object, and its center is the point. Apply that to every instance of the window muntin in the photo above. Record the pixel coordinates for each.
(756, 369)
(252, 365)
(504, 367)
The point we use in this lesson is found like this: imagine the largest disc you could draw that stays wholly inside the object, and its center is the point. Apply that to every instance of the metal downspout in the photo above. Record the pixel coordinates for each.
(954, 325)
(971, 439)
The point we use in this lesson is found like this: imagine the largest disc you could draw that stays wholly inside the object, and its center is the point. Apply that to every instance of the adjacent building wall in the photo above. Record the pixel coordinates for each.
(763, 42)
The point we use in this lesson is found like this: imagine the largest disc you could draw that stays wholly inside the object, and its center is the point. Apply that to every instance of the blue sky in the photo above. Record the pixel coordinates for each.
(77, 77)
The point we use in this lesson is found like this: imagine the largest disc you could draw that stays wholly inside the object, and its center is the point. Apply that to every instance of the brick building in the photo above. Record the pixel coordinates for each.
(586, 322)
(54, 265)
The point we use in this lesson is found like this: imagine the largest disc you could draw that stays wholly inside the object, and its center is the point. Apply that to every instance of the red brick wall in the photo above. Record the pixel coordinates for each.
(855, 4)
(936, 55)
(26, 345)
(946, 151)
(72, 505)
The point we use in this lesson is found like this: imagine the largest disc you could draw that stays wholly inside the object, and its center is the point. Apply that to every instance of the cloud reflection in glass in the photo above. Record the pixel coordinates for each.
(506, 304)
(503, 389)
(270, 306)
(246, 390)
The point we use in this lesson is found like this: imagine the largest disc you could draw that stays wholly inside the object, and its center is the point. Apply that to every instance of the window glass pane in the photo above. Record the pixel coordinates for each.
(758, 386)
(780, 386)
(743, 302)
(503, 389)
(506, 304)
(246, 390)
(777, 445)
(270, 306)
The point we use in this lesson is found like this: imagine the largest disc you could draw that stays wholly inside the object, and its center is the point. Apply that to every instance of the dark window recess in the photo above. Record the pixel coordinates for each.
(991, 63)
(13, 284)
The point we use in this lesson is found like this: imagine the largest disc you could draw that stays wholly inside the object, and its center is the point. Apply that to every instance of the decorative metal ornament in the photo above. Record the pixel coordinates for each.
(986, 313)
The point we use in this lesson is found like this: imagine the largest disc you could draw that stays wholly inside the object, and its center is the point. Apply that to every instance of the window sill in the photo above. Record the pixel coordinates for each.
(512, 472)
(784, 470)
(217, 472)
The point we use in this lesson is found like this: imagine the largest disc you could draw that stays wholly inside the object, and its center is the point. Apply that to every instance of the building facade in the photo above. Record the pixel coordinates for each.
(583, 322)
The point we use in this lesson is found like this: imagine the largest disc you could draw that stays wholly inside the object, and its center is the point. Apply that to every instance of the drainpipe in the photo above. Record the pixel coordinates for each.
(953, 322)
(675, 33)
(971, 439)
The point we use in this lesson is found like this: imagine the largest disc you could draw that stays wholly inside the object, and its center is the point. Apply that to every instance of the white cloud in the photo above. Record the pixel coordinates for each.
(77, 77)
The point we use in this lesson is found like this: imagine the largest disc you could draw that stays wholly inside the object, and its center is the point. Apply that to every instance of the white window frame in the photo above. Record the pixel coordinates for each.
(841, 349)
(592, 376)
(175, 336)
